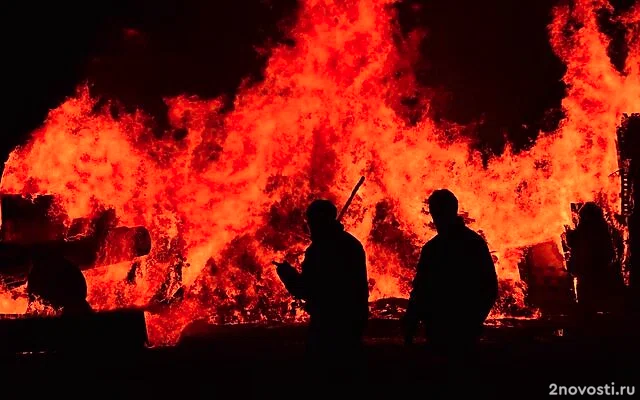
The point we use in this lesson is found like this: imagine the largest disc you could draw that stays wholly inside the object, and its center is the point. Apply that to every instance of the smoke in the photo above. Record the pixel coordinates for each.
(489, 64)
(208, 49)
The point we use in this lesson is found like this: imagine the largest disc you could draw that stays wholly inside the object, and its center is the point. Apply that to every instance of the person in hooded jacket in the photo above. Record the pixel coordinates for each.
(333, 284)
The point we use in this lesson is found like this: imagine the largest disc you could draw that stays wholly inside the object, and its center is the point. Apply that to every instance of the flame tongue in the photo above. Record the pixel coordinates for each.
(228, 197)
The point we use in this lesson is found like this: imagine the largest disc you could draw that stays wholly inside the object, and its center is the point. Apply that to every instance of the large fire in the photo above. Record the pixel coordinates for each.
(228, 198)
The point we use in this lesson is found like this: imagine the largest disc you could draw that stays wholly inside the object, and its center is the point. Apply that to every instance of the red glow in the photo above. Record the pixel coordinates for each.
(327, 113)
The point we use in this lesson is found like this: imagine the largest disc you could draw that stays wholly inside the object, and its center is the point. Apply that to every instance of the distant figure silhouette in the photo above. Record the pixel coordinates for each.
(58, 283)
(591, 260)
(333, 283)
(456, 285)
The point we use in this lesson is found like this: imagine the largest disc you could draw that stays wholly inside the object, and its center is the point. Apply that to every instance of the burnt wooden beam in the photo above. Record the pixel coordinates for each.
(38, 226)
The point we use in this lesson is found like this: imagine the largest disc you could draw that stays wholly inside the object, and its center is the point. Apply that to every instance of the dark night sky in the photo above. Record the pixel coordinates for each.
(492, 60)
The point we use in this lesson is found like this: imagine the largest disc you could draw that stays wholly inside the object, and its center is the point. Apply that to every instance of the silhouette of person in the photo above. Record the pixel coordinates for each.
(455, 286)
(58, 283)
(333, 284)
(591, 260)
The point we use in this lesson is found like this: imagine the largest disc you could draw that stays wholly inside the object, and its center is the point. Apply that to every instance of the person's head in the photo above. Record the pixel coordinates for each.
(443, 207)
(591, 214)
(321, 216)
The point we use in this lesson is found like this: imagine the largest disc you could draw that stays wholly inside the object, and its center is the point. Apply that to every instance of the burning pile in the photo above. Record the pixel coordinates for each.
(221, 202)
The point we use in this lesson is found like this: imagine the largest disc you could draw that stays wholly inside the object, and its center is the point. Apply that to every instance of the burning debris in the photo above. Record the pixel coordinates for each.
(41, 247)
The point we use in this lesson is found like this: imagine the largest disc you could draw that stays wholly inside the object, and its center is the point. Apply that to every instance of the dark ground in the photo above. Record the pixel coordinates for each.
(518, 359)
(494, 62)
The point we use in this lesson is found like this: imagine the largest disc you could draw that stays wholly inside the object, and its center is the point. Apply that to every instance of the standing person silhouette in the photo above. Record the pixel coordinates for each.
(333, 284)
(592, 261)
(455, 286)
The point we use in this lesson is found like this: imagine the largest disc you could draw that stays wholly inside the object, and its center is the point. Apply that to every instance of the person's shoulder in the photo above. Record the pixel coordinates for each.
(474, 237)
(351, 240)
(431, 243)
(471, 233)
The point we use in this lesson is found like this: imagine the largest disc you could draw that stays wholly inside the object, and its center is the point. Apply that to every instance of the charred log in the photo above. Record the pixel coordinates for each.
(171, 290)
(36, 229)
(86, 253)
(27, 221)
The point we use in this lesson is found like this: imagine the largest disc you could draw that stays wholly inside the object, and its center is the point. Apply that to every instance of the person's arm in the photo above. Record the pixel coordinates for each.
(571, 262)
(360, 281)
(610, 253)
(291, 279)
(294, 281)
(416, 299)
(488, 282)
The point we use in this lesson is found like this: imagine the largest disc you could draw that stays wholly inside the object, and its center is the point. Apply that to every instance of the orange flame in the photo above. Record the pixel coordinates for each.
(225, 200)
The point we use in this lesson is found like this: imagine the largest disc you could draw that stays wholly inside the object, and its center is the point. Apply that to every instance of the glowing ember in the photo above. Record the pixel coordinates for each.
(228, 198)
